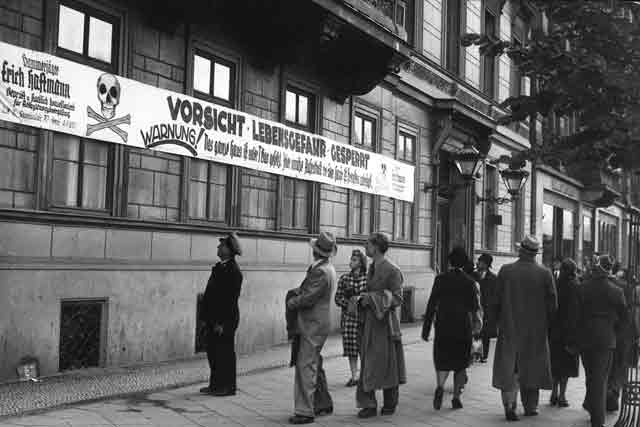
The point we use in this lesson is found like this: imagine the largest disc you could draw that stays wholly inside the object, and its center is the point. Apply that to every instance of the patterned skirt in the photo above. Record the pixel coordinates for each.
(350, 335)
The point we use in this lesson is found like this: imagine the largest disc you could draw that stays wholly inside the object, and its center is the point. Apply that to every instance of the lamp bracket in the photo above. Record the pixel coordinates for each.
(494, 200)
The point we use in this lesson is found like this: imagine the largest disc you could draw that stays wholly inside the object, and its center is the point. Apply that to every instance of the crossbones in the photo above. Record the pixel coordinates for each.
(104, 123)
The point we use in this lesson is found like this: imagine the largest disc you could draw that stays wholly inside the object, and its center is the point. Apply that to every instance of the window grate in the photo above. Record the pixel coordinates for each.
(81, 324)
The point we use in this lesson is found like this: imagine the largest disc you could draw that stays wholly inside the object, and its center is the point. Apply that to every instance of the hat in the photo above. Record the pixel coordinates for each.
(325, 244)
(458, 257)
(486, 258)
(530, 244)
(232, 242)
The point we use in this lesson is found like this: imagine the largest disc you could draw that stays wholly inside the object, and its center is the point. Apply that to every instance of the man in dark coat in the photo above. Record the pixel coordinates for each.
(601, 311)
(487, 281)
(525, 302)
(221, 315)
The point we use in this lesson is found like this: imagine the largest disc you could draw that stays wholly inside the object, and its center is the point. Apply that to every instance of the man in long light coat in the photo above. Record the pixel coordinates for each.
(381, 353)
(525, 301)
(312, 302)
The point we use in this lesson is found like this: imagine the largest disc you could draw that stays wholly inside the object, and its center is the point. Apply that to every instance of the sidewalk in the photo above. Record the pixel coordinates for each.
(265, 398)
(91, 384)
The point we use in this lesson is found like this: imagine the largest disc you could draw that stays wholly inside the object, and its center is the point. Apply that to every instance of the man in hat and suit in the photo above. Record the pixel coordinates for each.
(525, 301)
(220, 313)
(312, 303)
(601, 312)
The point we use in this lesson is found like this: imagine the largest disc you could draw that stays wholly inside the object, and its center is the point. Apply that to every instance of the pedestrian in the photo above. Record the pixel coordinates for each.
(351, 285)
(625, 336)
(555, 268)
(525, 301)
(564, 363)
(601, 310)
(381, 354)
(487, 281)
(453, 303)
(312, 301)
(221, 315)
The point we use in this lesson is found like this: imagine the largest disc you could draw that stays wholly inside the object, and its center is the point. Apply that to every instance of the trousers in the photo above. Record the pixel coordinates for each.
(310, 390)
(530, 397)
(597, 363)
(367, 399)
(221, 354)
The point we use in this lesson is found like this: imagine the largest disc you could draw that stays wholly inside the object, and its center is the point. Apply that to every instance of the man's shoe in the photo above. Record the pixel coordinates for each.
(530, 413)
(206, 390)
(456, 403)
(300, 419)
(511, 415)
(387, 411)
(224, 392)
(367, 413)
(324, 411)
(553, 400)
(437, 398)
(351, 383)
(562, 403)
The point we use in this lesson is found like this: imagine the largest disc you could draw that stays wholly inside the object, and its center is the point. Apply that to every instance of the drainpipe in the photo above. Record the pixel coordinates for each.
(533, 123)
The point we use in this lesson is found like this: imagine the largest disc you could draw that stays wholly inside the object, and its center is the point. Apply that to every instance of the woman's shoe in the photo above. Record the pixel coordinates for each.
(553, 400)
(456, 403)
(562, 403)
(437, 398)
(511, 415)
(351, 383)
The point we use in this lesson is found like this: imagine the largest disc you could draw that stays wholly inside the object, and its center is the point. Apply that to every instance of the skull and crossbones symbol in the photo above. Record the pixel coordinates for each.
(109, 96)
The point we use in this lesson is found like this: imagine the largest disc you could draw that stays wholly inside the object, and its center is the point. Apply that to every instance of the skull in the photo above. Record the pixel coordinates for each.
(108, 94)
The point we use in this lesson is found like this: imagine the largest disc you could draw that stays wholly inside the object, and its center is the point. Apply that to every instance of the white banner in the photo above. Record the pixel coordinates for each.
(49, 92)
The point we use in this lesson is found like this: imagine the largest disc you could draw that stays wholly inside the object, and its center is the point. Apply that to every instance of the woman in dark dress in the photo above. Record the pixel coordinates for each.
(564, 364)
(453, 303)
(487, 280)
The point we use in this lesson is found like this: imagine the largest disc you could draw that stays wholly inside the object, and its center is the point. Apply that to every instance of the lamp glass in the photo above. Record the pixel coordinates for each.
(467, 161)
(514, 180)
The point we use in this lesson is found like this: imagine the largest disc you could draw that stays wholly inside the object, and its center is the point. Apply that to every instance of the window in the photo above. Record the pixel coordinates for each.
(489, 77)
(472, 53)
(608, 235)
(208, 190)
(298, 109)
(295, 203)
(547, 235)
(18, 151)
(587, 237)
(504, 62)
(401, 14)
(80, 172)
(405, 149)
(213, 78)
(258, 205)
(87, 35)
(361, 209)
(490, 209)
(335, 209)
(154, 185)
(517, 220)
(567, 248)
(432, 30)
(364, 131)
(403, 220)
(557, 233)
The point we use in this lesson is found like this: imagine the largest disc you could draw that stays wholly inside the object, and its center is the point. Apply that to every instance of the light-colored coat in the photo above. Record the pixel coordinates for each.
(382, 355)
(313, 301)
(525, 301)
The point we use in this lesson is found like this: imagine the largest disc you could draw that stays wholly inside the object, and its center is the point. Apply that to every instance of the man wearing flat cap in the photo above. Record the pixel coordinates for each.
(525, 301)
(221, 315)
(312, 302)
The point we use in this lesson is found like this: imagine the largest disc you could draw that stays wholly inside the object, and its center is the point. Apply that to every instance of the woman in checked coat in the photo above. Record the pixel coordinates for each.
(350, 285)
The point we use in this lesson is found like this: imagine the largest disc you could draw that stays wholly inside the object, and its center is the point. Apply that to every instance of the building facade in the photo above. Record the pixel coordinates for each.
(105, 247)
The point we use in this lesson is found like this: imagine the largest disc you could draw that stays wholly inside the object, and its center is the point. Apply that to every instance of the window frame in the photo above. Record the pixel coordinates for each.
(89, 11)
(111, 167)
(227, 197)
(490, 242)
(214, 57)
(312, 107)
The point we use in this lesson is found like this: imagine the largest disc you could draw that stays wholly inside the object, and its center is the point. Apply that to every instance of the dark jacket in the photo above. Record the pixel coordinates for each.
(487, 297)
(220, 302)
(600, 313)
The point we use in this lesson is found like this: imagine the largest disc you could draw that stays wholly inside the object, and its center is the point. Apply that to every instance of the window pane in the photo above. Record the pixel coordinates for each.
(409, 143)
(586, 229)
(199, 170)
(66, 147)
(217, 202)
(198, 200)
(71, 29)
(221, 81)
(367, 137)
(65, 183)
(366, 214)
(94, 187)
(357, 127)
(288, 194)
(356, 209)
(303, 117)
(301, 197)
(290, 107)
(401, 142)
(100, 39)
(96, 153)
(201, 74)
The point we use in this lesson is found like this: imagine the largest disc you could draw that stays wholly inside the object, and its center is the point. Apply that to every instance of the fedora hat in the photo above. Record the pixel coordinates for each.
(530, 244)
(325, 244)
(232, 242)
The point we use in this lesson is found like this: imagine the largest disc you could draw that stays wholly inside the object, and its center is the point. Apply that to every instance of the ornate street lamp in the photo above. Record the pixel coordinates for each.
(514, 180)
(467, 160)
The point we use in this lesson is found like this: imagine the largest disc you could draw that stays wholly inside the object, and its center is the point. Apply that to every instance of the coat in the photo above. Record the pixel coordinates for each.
(601, 313)
(220, 301)
(381, 353)
(349, 286)
(525, 302)
(487, 296)
(313, 301)
(564, 364)
(453, 302)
